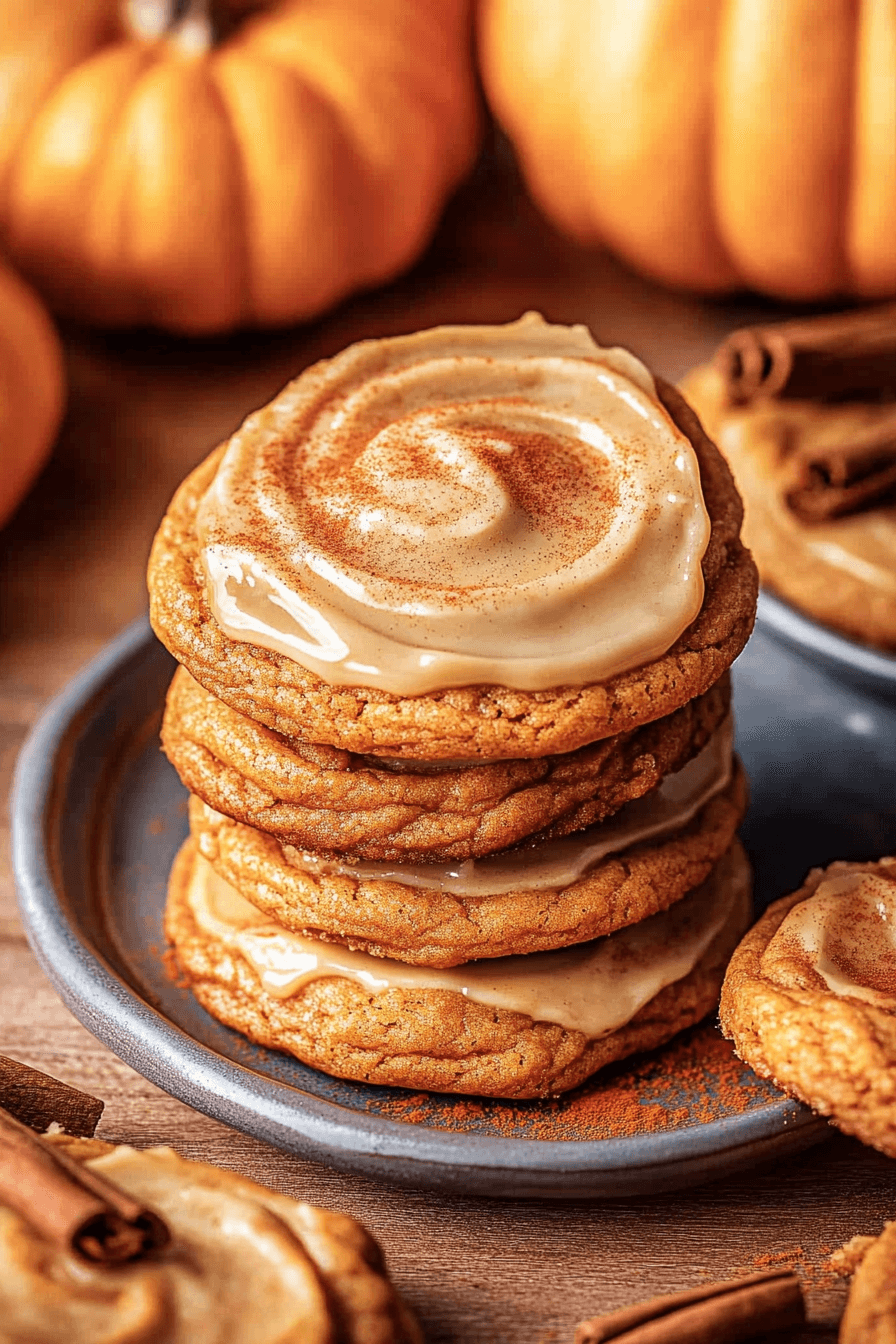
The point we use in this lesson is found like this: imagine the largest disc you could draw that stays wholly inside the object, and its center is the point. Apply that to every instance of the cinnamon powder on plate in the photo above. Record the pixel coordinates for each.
(695, 1079)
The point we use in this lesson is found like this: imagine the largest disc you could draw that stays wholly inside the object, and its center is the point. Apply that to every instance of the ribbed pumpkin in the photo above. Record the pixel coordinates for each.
(31, 388)
(202, 166)
(713, 143)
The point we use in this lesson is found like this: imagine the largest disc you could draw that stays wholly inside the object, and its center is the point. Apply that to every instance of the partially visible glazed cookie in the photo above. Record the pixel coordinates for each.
(810, 997)
(357, 1017)
(445, 927)
(841, 569)
(474, 461)
(327, 800)
(244, 1263)
(870, 1315)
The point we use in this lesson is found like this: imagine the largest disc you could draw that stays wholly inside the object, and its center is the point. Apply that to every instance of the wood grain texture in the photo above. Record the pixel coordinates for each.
(145, 409)
(41, 1101)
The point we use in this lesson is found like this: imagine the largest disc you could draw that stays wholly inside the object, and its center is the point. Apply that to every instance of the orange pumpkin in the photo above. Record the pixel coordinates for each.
(713, 143)
(31, 388)
(200, 184)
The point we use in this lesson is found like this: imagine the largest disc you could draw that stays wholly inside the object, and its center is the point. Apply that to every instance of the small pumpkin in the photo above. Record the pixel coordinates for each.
(31, 388)
(202, 166)
(713, 143)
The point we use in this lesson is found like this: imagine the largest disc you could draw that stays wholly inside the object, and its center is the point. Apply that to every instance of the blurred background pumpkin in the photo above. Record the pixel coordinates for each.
(715, 144)
(31, 388)
(200, 166)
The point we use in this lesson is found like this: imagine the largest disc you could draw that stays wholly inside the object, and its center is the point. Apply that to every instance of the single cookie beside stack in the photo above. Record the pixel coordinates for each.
(455, 614)
(810, 997)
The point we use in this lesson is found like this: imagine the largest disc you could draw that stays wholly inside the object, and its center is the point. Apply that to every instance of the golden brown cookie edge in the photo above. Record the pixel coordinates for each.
(441, 929)
(254, 775)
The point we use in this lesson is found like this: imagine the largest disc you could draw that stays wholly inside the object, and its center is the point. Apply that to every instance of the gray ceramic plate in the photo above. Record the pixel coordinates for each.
(860, 666)
(99, 814)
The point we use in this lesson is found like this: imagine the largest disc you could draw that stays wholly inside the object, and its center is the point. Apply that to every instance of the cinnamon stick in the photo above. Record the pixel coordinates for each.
(41, 1101)
(736, 1310)
(70, 1205)
(840, 356)
(854, 474)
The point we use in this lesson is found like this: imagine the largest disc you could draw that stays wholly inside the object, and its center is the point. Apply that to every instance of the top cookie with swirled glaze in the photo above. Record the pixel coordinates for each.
(502, 505)
(533, 548)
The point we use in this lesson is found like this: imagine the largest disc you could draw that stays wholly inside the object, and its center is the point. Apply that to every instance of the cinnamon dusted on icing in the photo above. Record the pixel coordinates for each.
(809, 997)
(502, 505)
(843, 939)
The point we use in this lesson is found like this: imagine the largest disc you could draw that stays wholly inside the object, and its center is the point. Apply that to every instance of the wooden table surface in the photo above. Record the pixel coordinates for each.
(142, 411)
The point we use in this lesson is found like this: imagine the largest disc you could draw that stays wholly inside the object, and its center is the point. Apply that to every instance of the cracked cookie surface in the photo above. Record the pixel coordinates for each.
(330, 801)
(870, 1315)
(440, 928)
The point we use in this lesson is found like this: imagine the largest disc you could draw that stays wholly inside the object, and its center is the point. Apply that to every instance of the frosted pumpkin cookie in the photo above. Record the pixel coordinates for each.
(243, 1264)
(544, 894)
(818, 476)
(470, 543)
(330, 801)
(513, 1027)
(810, 997)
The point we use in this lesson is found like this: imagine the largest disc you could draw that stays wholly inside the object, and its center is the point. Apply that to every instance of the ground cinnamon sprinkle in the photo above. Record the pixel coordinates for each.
(694, 1079)
(173, 969)
(815, 1269)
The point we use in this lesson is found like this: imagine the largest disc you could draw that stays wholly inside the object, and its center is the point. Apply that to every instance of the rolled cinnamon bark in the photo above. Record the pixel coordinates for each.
(732, 1311)
(40, 1101)
(70, 1205)
(840, 356)
(857, 473)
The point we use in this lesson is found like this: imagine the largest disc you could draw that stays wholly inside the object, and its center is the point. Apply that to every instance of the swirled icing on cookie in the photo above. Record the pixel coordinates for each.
(503, 505)
(843, 938)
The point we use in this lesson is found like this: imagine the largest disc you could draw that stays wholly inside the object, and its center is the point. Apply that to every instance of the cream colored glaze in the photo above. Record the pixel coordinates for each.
(759, 443)
(236, 1271)
(505, 505)
(846, 934)
(594, 987)
(554, 864)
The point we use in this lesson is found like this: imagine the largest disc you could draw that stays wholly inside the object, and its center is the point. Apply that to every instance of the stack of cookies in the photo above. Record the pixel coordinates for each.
(455, 614)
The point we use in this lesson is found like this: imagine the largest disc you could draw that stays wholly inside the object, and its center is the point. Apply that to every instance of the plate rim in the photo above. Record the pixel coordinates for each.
(236, 1094)
(806, 635)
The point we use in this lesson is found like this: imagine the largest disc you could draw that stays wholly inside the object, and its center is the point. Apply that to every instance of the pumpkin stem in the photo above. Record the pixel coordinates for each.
(193, 27)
